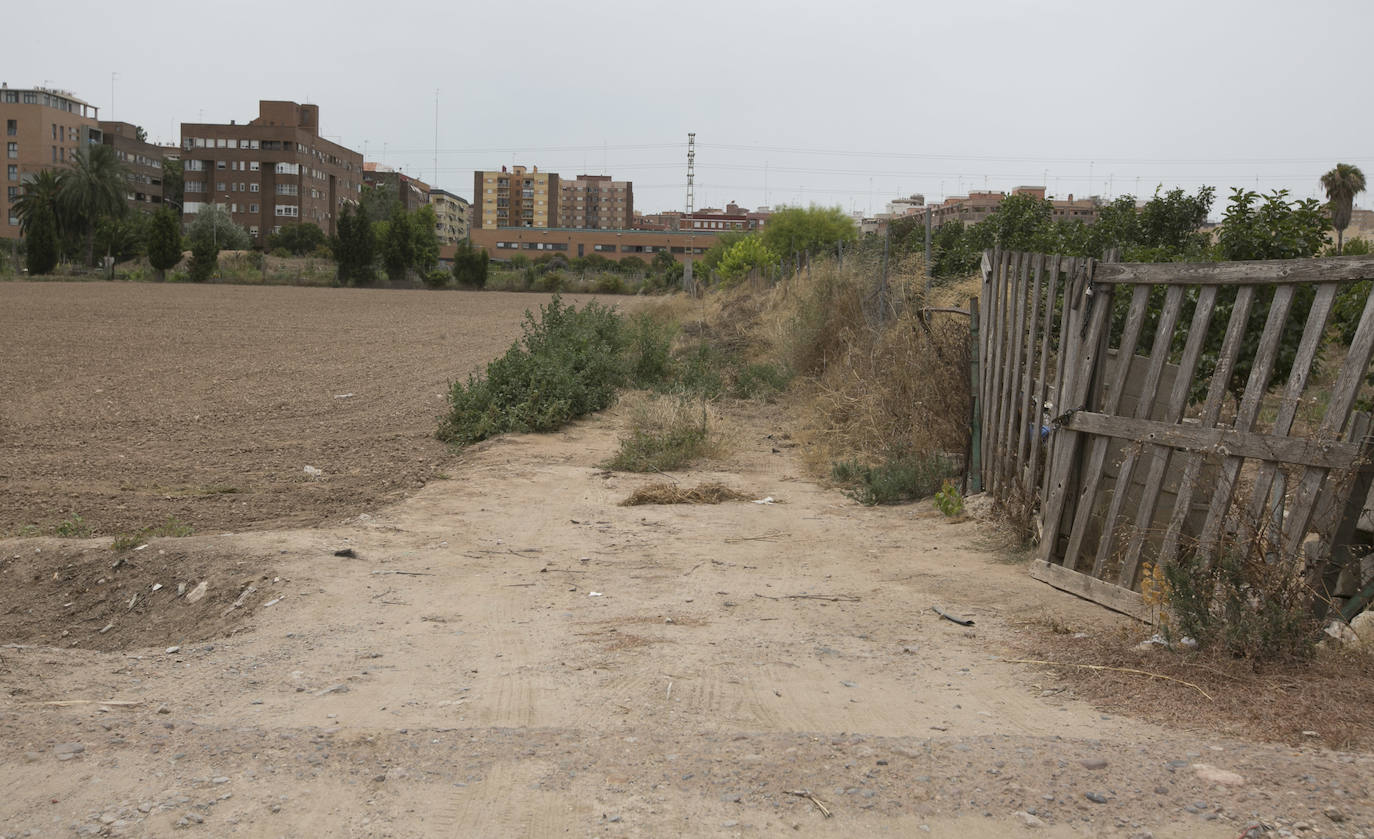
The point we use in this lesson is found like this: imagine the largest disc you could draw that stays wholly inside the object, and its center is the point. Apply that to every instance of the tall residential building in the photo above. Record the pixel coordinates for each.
(411, 192)
(144, 162)
(274, 170)
(451, 216)
(43, 129)
(595, 202)
(515, 198)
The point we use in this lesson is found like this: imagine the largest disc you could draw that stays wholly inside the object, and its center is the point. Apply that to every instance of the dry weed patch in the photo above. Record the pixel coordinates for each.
(665, 493)
(1323, 701)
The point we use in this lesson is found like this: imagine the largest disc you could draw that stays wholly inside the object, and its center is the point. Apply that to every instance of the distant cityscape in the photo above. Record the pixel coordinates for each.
(277, 169)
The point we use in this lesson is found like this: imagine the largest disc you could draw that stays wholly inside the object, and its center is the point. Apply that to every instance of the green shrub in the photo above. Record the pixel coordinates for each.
(650, 353)
(949, 501)
(551, 281)
(763, 381)
(568, 364)
(1242, 603)
(663, 435)
(437, 278)
(903, 476)
(700, 371)
(608, 284)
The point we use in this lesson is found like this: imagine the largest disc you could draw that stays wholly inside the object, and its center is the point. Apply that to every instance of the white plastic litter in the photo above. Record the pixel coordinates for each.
(594, 594)
(768, 500)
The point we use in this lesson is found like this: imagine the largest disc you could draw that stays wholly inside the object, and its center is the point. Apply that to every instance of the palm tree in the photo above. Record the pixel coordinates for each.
(39, 193)
(95, 186)
(1342, 184)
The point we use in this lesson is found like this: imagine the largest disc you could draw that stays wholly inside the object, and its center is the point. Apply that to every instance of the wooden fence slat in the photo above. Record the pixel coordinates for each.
(1355, 491)
(1216, 392)
(1042, 446)
(1159, 354)
(1106, 594)
(999, 330)
(1015, 308)
(1097, 456)
(1343, 392)
(1266, 272)
(1060, 371)
(1028, 439)
(1313, 333)
(987, 324)
(1262, 367)
(1160, 455)
(1327, 454)
(1083, 356)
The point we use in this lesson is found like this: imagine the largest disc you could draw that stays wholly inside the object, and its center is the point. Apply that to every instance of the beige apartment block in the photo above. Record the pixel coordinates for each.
(595, 202)
(515, 197)
(451, 216)
(43, 129)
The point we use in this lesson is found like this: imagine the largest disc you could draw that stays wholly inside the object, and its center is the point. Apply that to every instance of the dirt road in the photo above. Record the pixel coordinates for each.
(510, 653)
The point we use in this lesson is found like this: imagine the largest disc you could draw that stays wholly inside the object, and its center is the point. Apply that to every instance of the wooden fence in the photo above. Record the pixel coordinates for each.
(1131, 449)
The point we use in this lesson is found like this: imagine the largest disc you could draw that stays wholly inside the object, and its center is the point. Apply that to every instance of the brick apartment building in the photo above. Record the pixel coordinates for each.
(451, 213)
(713, 219)
(43, 129)
(143, 159)
(271, 171)
(503, 243)
(518, 197)
(596, 202)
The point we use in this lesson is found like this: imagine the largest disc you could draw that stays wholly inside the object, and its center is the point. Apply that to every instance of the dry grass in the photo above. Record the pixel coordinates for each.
(1330, 695)
(712, 493)
(878, 376)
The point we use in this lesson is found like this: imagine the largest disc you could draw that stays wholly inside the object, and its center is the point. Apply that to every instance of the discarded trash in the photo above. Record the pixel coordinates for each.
(172, 649)
(313, 472)
(947, 616)
(198, 592)
(343, 396)
(766, 500)
(272, 602)
(157, 586)
(594, 594)
(140, 547)
(107, 628)
(347, 552)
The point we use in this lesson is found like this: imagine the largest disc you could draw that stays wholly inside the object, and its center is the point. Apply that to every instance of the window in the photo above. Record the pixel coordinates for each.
(12, 151)
(221, 143)
(12, 172)
(253, 231)
(288, 210)
(288, 169)
(220, 187)
(13, 192)
(253, 166)
(220, 164)
(195, 166)
(288, 189)
(194, 186)
(254, 187)
(11, 128)
(253, 208)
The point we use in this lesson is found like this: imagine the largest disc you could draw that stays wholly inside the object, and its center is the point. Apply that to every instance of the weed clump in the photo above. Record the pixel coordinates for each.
(901, 477)
(568, 364)
(664, 434)
(711, 493)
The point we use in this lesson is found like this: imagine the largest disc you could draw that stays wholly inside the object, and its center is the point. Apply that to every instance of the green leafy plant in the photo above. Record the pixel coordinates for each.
(74, 527)
(664, 434)
(949, 501)
(903, 476)
(569, 363)
(760, 381)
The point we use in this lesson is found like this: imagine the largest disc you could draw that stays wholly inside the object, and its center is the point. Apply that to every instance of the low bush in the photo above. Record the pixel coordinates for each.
(568, 364)
(901, 477)
(760, 381)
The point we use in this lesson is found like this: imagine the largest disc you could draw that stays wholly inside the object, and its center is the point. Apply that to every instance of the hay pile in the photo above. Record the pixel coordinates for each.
(713, 493)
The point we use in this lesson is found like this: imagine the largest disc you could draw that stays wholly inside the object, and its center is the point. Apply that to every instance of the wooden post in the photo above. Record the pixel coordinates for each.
(974, 468)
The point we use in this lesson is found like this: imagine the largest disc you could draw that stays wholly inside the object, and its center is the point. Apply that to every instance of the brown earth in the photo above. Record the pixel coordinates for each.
(510, 652)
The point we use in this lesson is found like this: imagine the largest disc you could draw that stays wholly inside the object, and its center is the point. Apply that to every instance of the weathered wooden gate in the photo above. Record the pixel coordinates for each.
(1131, 447)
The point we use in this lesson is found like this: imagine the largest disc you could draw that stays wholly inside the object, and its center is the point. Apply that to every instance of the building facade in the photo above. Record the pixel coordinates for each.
(451, 216)
(596, 202)
(517, 197)
(144, 162)
(44, 128)
(503, 243)
(274, 170)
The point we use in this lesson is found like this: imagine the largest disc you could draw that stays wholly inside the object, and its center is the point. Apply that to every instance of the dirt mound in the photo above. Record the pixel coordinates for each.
(83, 594)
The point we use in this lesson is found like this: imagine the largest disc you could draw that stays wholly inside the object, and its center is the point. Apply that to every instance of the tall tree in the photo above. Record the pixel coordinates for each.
(39, 195)
(808, 230)
(1342, 184)
(41, 241)
(173, 184)
(94, 186)
(470, 265)
(425, 237)
(398, 245)
(164, 241)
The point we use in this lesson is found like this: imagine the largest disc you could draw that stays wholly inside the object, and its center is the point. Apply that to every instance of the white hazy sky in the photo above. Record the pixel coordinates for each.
(792, 102)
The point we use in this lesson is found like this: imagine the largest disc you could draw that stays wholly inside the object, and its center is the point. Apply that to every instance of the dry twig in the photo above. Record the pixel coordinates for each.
(804, 793)
(1099, 667)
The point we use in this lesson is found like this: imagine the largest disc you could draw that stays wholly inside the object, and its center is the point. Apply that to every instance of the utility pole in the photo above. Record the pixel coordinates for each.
(691, 171)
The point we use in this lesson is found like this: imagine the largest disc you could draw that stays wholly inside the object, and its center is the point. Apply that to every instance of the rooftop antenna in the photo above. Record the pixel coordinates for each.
(113, 76)
(691, 172)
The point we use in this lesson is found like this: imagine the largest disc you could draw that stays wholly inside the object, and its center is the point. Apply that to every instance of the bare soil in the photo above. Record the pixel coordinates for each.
(510, 652)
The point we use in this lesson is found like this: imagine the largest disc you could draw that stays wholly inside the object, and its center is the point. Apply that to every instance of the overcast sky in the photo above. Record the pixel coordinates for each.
(792, 102)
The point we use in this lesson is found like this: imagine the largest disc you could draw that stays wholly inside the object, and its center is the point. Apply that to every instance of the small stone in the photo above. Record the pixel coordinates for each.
(1095, 797)
(731, 823)
(219, 780)
(196, 818)
(1211, 774)
(69, 748)
(163, 709)
(1094, 763)
(1028, 820)
(613, 819)
(31, 757)
(1334, 815)
(379, 778)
